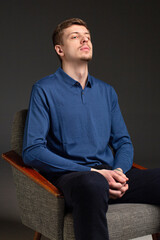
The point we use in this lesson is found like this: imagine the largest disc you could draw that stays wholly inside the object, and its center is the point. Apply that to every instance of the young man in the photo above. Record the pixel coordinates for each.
(73, 122)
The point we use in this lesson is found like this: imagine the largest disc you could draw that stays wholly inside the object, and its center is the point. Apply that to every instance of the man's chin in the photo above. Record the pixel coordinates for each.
(87, 59)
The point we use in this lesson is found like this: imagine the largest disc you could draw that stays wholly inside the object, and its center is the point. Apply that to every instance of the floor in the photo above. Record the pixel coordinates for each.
(15, 231)
(12, 230)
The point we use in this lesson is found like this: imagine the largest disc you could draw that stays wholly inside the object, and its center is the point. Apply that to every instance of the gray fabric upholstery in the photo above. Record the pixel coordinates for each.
(17, 131)
(39, 210)
(44, 212)
(133, 220)
(125, 221)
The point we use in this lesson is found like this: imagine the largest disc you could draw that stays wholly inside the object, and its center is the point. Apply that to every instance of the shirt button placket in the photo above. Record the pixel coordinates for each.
(82, 96)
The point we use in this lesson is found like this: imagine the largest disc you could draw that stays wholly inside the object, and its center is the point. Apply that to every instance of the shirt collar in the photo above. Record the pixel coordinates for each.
(71, 81)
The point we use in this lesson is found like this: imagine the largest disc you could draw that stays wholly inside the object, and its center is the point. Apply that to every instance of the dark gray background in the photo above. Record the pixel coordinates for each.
(126, 38)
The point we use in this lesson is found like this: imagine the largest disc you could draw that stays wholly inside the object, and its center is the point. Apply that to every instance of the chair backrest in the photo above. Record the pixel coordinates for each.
(41, 204)
(18, 130)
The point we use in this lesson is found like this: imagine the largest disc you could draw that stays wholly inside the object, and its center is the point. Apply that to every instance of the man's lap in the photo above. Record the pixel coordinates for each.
(84, 185)
(144, 185)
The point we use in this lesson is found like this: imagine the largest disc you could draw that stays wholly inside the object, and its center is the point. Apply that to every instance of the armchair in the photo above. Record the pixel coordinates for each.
(42, 204)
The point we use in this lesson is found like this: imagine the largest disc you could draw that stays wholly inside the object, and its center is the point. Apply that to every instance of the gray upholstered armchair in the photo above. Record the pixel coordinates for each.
(42, 204)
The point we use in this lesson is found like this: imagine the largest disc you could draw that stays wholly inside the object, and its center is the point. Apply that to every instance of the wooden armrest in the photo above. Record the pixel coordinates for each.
(135, 165)
(16, 161)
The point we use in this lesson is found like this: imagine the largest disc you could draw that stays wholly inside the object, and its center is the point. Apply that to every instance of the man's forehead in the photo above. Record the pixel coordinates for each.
(76, 29)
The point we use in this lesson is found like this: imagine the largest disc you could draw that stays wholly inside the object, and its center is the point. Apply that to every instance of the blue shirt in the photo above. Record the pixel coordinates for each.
(73, 129)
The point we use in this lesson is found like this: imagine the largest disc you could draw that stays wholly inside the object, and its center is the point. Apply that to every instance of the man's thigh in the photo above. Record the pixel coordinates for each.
(144, 187)
(83, 186)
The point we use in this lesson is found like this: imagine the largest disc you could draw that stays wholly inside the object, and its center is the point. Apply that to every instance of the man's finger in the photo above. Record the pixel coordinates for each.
(124, 188)
(115, 185)
(114, 194)
(121, 174)
(119, 178)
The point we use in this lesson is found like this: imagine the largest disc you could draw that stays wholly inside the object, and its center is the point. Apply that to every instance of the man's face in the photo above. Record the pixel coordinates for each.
(76, 44)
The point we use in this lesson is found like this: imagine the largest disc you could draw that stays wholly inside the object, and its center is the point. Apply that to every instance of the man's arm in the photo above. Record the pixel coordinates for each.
(120, 140)
(123, 152)
(35, 150)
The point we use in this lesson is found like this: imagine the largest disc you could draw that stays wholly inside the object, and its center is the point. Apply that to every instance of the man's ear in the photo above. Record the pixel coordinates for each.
(59, 50)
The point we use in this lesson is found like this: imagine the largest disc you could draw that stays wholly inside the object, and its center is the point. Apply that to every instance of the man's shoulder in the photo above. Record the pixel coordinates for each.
(101, 83)
(105, 89)
(47, 81)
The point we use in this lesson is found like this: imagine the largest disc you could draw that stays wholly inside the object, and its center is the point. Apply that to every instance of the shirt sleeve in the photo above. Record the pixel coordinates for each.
(120, 140)
(35, 151)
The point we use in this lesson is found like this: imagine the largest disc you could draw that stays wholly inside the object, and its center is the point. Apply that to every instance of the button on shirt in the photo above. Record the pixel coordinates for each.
(73, 129)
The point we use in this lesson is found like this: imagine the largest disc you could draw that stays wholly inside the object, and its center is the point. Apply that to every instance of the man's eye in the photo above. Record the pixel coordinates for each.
(74, 37)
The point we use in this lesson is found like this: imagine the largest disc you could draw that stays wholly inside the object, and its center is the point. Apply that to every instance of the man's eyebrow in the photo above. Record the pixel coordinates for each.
(78, 33)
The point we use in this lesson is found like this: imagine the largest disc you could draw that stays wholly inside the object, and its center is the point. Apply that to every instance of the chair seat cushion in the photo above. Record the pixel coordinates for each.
(125, 221)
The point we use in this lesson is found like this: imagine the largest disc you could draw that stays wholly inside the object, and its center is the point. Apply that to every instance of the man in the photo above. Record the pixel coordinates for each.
(73, 123)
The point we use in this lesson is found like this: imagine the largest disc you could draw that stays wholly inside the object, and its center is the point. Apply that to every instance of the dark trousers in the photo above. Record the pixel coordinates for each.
(87, 196)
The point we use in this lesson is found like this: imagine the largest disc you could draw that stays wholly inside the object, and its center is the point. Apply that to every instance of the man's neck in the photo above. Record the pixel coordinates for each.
(79, 72)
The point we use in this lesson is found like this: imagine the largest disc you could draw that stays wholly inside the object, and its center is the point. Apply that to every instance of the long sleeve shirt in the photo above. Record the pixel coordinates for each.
(73, 129)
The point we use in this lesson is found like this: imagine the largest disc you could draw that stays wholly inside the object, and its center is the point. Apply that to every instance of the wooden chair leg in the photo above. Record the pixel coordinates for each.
(37, 236)
(156, 236)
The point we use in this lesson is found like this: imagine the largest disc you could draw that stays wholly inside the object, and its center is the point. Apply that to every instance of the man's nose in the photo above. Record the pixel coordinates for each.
(84, 39)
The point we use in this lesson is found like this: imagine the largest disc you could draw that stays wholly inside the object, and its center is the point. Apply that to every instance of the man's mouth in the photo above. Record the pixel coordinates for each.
(84, 48)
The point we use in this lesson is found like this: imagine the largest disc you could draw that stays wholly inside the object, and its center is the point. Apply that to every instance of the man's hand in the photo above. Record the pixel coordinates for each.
(117, 181)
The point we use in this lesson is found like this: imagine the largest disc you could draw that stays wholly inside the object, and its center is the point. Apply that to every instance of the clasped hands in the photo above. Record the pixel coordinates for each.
(117, 181)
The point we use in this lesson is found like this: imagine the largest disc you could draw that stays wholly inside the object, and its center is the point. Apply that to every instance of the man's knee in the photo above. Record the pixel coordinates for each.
(91, 186)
